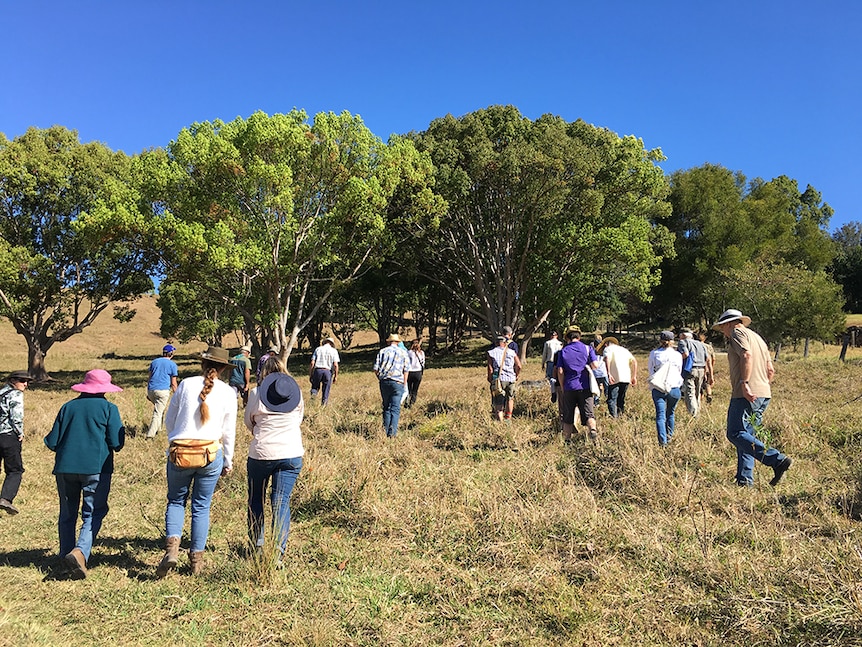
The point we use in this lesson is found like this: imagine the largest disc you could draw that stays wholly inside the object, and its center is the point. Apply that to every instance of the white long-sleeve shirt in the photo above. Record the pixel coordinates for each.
(183, 418)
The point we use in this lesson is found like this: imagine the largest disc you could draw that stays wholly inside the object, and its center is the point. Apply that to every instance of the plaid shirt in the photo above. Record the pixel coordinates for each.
(391, 363)
(11, 411)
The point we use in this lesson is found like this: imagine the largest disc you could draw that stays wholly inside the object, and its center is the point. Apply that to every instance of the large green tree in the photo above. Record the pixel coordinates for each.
(721, 222)
(546, 219)
(787, 302)
(271, 214)
(60, 268)
(847, 266)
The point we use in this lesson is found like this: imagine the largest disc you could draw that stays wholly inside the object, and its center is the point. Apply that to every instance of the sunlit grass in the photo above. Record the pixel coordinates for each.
(462, 531)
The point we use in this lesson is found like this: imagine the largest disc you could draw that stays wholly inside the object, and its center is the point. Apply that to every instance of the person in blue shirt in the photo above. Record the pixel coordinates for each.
(161, 383)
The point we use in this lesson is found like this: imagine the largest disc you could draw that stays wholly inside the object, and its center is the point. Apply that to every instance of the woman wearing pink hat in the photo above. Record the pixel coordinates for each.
(85, 435)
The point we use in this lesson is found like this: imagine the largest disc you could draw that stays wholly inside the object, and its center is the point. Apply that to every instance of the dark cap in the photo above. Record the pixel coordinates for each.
(19, 376)
(666, 335)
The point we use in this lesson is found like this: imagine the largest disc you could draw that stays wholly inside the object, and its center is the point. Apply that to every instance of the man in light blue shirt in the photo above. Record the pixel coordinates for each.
(390, 367)
(162, 382)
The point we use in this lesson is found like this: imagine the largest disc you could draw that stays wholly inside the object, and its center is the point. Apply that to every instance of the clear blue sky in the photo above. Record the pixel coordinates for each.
(763, 87)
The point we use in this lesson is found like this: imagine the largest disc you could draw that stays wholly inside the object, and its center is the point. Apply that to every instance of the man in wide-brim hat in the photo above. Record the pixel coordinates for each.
(390, 367)
(751, 372)
(12, 435)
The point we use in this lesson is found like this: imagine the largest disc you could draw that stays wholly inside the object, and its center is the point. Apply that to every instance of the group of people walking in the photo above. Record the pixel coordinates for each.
(201, 429)
(579, 372)
(202, 416)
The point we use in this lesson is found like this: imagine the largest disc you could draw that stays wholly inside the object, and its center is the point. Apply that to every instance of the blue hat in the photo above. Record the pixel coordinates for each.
(279, 392)
(168, 349)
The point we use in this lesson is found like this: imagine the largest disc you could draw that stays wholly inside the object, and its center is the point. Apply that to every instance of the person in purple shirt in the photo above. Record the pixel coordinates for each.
(573, 380)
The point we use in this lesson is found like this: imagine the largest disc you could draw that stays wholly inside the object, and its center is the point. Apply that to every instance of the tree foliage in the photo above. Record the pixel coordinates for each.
(271, 214)
(545, 218)
(59, 266)
(847, 266)
(722, 222)
(787, 302)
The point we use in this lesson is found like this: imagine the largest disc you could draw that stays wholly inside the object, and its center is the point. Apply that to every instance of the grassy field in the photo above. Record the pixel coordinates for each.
(462, 531)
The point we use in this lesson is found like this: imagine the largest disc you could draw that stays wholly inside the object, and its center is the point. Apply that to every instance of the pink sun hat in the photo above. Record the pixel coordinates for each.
(96, 381)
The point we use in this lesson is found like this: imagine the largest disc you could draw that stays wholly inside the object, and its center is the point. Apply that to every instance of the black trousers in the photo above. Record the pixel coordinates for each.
(414, 379)
(10, 454)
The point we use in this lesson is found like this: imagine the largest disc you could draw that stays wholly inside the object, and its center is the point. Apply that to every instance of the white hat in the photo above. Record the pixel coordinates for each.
(731, 315)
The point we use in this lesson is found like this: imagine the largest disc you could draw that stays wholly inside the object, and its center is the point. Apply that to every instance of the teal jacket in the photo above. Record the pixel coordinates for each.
(85, 435)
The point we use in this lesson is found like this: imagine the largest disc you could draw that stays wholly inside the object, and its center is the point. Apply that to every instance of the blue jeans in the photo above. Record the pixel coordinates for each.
(283, 473)
(321, 380)
(391, 392)
(665, 403)
(742, 417)
(90, 492)
(617, 398)
(200, 482)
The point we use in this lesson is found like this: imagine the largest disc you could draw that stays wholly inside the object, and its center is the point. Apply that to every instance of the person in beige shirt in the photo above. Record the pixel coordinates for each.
(751, 372)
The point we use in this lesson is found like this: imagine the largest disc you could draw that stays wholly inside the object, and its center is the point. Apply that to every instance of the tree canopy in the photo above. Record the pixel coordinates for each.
(847, 266)
(787, 302)
(545, 218)
(271, 214)
(721, 222)
(59, 266)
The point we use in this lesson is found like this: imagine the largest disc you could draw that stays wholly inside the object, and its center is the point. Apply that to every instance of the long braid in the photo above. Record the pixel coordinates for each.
(210, 374)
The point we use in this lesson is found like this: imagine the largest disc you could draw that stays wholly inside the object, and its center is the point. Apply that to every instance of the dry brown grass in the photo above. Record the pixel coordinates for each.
(461, 531)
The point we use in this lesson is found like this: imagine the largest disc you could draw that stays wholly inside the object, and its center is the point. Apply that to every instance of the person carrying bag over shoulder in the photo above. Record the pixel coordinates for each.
(201, 424)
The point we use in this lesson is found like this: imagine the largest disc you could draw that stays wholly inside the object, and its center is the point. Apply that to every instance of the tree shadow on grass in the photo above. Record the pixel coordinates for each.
(125, 558)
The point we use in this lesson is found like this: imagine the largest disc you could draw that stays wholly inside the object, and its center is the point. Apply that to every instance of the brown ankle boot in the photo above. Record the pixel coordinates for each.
(169, 561)
(196, 557)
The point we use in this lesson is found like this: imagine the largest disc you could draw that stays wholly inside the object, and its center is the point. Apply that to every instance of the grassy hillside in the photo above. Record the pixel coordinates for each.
(462, 531)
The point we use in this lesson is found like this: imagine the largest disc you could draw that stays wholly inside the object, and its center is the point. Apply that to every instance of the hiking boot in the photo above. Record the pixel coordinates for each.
(196, 558)
(6, 504)
(779, 470)
(169, 561)
(77, 564)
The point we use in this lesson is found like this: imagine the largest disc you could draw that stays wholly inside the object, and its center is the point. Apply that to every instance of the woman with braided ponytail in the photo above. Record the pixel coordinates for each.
(201, 424)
